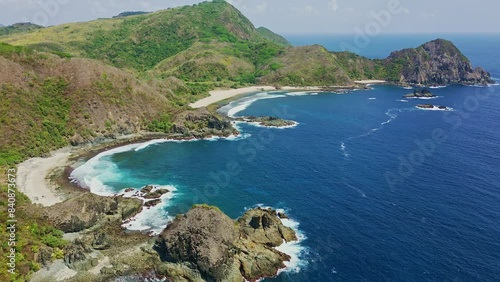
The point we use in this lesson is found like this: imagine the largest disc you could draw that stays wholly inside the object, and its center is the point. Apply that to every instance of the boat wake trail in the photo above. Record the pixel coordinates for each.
(391, 113)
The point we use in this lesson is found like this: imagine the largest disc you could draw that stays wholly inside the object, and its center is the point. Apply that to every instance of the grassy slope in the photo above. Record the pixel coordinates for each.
(49, 101)
(168, 43)
(266, 33)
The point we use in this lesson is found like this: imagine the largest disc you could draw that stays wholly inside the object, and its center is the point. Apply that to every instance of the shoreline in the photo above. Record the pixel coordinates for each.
(32, 177)
(223, 94)
(33, 174)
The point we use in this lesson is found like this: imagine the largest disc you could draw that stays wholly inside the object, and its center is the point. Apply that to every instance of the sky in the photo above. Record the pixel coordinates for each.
(288, 16)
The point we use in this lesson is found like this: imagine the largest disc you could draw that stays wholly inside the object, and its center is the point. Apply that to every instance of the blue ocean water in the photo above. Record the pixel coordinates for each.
(382, 191)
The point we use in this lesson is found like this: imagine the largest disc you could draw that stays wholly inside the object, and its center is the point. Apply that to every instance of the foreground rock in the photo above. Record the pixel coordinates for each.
(206, 244)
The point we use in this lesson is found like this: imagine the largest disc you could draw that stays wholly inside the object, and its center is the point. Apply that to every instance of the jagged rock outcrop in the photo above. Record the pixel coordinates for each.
(87, 209)
(267, 121)
(202, 123)
(438, 62)
(206, 243)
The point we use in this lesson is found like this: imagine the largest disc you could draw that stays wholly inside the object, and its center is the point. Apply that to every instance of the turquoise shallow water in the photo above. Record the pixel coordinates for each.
(440, 221)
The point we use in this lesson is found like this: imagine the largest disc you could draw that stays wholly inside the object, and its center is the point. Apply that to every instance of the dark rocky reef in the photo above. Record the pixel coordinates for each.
(267, 121)
(438, 62)
(206, 244)
(423, 93)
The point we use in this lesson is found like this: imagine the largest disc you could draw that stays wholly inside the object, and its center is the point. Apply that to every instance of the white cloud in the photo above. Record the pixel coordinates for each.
(262, 7)
(334, 5)
(310, 9)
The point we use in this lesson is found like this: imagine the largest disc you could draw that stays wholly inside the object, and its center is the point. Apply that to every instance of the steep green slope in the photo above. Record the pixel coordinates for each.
(48, 102)
(140, 42)
(271, 36)
(308, 65)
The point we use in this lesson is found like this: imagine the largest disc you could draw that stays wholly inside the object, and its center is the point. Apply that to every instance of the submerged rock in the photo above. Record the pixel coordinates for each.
(206, 243)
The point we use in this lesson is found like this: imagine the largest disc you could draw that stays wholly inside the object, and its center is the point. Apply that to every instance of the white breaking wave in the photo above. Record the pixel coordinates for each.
(424, 98)
(404, 101)
(372, 98)
(153, 219)
(435, 108)
(303, 93)
(344, 150)
(237, 106)
(257, 124)
(438, 87)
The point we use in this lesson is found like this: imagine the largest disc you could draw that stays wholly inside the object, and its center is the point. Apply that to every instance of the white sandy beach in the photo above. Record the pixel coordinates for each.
(373, 81)
(222, 94)
(31, 177)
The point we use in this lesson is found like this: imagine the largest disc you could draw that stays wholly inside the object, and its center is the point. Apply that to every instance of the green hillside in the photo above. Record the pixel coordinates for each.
(18, 28)
(208, 42)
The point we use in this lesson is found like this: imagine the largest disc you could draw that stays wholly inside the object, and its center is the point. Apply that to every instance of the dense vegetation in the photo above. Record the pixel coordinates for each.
(35, 239)
(18, 28)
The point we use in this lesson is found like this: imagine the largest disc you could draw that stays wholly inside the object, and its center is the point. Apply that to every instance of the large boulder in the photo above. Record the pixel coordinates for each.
(210, 245)
(203, 236)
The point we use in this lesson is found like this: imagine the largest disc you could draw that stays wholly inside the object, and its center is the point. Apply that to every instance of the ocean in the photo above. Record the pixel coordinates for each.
(377, 189)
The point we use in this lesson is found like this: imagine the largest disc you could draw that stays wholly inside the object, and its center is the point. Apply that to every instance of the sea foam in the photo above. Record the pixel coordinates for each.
(240, 105)
(153, 219)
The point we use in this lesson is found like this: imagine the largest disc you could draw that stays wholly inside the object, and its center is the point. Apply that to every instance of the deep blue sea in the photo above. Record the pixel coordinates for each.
(380, 190)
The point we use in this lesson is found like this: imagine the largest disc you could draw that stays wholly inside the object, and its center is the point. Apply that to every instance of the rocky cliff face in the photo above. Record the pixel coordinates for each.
(438, 62)
(205, 244)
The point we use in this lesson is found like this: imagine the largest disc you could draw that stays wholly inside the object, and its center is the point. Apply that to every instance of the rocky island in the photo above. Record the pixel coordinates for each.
(423, 93)
(432, 107)
(267, 121)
